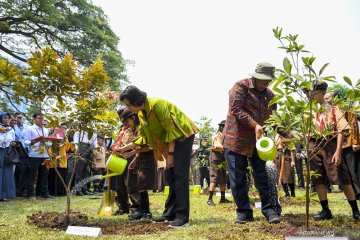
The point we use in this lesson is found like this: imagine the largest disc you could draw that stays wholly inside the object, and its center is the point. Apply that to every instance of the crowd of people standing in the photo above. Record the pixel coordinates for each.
(156, 138)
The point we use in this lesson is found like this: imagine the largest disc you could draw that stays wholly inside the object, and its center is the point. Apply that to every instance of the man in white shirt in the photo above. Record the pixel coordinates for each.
(84, 145)
(21, 168)
(37, 155)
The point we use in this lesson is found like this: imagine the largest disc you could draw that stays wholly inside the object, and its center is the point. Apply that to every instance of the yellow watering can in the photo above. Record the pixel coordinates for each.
(116, 164)
(266, 149)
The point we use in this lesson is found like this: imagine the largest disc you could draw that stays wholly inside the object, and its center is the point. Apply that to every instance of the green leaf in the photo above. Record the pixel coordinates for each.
(347, 80)
(358, 83)
(275, 99)
(323, 68)
(279, 91)
(287, 65)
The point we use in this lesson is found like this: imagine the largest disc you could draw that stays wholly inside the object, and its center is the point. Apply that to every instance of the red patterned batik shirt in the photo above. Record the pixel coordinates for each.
(247, 108)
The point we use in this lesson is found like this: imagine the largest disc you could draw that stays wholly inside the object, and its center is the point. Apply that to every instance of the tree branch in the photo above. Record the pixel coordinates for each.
(13, 19)
(11, 53)
(5, 31)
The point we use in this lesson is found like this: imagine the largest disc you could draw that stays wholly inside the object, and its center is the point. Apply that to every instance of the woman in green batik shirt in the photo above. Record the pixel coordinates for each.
(170, 133)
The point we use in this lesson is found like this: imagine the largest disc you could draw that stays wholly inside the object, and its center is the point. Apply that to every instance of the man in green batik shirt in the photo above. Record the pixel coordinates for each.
(170, 133)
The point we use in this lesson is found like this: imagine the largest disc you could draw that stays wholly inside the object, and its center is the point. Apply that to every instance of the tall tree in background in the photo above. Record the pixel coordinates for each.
(206, 130)
(67, 26)
(339, 89)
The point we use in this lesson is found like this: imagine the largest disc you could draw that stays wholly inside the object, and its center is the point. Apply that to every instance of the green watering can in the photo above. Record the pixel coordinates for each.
(266, 149)
(116, 164)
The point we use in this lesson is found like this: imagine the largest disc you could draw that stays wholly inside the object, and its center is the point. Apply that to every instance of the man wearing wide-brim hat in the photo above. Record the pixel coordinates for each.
(248, 110)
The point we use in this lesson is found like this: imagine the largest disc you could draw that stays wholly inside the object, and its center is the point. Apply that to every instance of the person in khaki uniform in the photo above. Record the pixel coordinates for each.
(328, 160)
(351, 147)
(126, 184)
(143, 163)
(351, 152)
(288, 177)
(217, 167)
(98, 166)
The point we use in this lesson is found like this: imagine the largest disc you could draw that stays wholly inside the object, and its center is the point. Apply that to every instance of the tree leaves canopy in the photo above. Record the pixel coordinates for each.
(67, 26)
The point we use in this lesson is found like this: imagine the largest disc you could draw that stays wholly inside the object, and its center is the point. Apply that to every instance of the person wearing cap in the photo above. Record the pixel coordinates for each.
(217, 167)
(170, 133)
(142, 163)
(202, 156)
(126, 184)
(248, 110)
(327, 161)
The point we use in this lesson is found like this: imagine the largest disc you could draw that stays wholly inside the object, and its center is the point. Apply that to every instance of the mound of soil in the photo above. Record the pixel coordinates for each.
(56, 221)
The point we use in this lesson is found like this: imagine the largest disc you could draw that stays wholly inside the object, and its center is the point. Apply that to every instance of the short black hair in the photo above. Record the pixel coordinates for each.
(320, 86)
(135, 96)
(120, 111)
(18, 113)
(35, 115)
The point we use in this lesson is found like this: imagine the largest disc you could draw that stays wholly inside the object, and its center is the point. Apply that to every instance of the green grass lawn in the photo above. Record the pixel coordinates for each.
(205, 222)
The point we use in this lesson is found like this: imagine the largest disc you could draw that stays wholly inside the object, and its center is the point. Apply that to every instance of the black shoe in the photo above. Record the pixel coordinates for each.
(79, 194)
(356, 215)
(3, 200)
(46, 196)
(324, 214)
(87, 193)
(30, 197)
(146, 216)
(242, 218)
(121, 212)
(162, 219)
(293, 195)
(224, 200)
(135, 215)
(178, 223)
(274, 219)
(210, 202)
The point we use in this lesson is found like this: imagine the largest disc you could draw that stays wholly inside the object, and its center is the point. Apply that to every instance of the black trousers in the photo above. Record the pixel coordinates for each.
(126, 187)
(299, 172)
(352, 160)
(177, 204)
(204, 174)
(20, 175)
(36, 167)
(237, 168)
(82, 169)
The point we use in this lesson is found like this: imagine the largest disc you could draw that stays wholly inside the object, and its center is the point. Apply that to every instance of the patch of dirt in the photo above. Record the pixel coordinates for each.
(56, 221)
(286, 201)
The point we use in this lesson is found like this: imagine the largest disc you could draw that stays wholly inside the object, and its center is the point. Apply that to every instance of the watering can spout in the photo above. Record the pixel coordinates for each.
(110, 175)
(116, 164)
